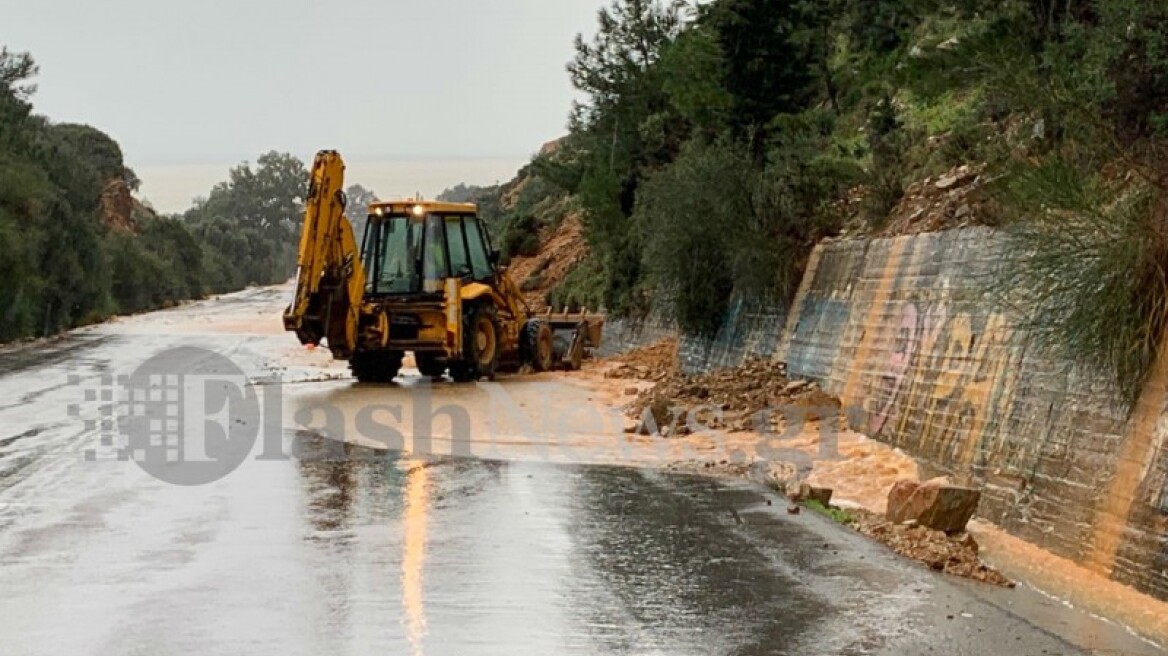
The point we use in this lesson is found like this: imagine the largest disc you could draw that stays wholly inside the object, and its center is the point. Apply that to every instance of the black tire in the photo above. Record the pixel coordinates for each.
(536, 347)
(480, 346)
(430, 364)
(376, 366)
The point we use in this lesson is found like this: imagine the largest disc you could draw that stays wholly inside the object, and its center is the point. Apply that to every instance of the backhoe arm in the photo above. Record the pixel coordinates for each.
(330, 281)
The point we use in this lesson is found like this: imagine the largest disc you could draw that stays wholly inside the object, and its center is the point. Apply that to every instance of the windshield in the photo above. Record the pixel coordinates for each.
(404, 256)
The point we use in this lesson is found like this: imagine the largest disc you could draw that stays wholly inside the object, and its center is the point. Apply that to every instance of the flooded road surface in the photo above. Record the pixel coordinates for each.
(344, 549)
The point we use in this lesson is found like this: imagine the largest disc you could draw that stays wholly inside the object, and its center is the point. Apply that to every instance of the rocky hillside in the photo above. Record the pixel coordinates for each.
(120, 210)
(537, 225)
(561, 250)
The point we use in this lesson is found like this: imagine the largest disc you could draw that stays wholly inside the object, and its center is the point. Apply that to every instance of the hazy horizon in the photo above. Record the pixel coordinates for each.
(191, 88)
(170, 188)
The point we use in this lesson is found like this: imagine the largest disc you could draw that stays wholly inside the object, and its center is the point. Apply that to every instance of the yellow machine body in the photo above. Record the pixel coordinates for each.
(422, 279)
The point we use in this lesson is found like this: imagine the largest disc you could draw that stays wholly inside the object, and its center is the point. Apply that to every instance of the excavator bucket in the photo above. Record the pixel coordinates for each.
(573, 335)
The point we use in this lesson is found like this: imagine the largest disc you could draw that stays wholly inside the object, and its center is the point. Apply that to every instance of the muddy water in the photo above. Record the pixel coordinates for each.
(538, 545)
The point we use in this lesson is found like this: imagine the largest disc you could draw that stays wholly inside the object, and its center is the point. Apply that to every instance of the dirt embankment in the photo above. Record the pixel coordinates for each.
(562, 248)
(757, 402)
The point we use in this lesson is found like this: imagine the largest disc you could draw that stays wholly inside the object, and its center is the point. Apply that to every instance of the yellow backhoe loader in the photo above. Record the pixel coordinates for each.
(424, 280)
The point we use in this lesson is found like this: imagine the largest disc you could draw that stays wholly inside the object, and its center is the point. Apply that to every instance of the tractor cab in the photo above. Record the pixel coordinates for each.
(411, 248)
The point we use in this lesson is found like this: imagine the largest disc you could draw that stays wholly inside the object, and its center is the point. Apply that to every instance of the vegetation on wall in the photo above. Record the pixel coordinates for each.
(1087, 181)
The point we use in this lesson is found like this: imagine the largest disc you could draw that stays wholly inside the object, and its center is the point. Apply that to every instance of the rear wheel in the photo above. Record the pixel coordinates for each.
(376, 366)
(430, 364)
(480, 346)
(536, 345)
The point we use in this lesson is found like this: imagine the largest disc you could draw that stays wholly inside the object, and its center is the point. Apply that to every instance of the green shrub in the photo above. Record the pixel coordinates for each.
(838, 514)
(583, 287)
(693, 215)
(1088, 267)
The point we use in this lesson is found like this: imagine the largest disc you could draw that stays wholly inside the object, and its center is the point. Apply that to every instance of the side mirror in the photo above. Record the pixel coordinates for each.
(494, 256)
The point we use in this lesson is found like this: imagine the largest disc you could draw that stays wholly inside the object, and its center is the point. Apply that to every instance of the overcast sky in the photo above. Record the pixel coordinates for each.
(219, 81)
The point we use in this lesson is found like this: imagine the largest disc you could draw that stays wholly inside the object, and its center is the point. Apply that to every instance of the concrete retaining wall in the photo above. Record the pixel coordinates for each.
(748, 331)
(903, 330)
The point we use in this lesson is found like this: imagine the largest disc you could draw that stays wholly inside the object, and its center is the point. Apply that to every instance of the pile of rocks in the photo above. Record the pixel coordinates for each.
(952, 200)
(955, 554)
(926, 522)
(650, 363)
(756, 396)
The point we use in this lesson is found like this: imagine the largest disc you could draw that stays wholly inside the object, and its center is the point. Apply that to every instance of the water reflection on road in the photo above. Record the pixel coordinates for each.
(447, 556)
(417, 505)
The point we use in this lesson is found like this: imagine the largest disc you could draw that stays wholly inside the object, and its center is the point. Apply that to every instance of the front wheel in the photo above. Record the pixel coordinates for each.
(536, 347)
(480, 345)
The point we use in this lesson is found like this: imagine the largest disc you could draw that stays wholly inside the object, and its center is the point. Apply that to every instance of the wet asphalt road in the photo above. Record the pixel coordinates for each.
(344, 550)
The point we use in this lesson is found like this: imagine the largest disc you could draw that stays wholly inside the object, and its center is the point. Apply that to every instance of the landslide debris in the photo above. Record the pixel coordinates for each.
(755, 396)
(735, 399)
(655, 363)
(956, 555)
(954, 199)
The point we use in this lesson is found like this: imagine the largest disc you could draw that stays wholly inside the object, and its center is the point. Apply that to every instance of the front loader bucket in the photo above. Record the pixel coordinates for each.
(572, 336)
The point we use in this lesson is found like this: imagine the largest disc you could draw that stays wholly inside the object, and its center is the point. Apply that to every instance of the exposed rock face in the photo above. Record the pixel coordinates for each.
(117, 206)
(935, 505)
(562, 249)
(550, 148)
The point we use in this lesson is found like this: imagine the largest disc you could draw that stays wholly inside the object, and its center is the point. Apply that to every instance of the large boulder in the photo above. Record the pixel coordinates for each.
(935, 504)
(898, 496)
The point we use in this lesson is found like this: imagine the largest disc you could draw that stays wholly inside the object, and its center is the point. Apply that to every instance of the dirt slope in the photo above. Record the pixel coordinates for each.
(561, 249)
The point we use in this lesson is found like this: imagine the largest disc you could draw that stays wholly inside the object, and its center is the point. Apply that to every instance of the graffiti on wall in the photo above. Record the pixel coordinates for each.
(940, 378)
(888, 384)
(901, 327)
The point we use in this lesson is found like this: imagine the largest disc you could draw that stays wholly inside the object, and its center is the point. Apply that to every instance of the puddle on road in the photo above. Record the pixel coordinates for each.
(543, 558)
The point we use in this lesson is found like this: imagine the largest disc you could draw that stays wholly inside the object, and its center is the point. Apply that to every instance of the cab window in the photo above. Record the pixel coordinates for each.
(434, 263)
(478, 249)
(460, 265)
(390, 255)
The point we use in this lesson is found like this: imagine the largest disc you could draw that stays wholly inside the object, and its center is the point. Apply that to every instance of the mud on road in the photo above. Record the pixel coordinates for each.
(522, 520)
